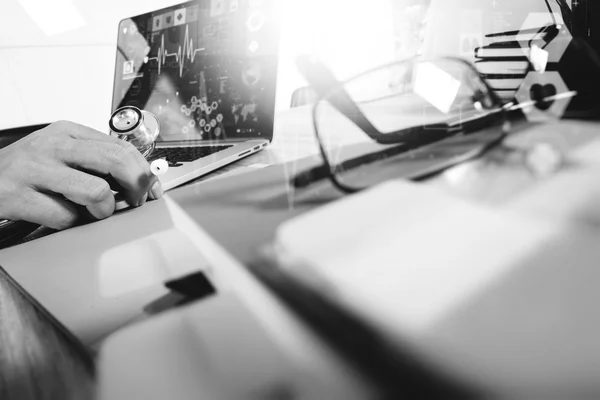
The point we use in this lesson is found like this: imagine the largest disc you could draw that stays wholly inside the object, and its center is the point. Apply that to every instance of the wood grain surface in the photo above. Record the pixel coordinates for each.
(38, 360)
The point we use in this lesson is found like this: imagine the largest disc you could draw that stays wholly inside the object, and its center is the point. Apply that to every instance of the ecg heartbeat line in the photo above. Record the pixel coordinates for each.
(186, 52)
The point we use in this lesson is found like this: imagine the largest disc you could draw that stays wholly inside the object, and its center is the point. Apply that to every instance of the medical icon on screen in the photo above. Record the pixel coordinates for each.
(128, 67)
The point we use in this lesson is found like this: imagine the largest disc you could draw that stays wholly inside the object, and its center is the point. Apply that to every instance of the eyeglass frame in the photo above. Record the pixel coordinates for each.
(325, 84)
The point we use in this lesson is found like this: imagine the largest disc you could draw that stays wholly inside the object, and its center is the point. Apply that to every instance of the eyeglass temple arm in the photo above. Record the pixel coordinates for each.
(405, 139)
(425, 133)
(315, 174)
(324, 82)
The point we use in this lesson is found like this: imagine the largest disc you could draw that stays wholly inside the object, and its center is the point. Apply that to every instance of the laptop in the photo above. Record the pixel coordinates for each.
(208, 71)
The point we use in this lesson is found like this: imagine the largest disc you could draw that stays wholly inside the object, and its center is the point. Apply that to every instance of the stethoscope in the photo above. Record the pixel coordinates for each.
(140, 128)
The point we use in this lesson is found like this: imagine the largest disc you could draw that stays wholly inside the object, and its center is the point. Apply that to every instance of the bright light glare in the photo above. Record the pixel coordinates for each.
(436, 86)
(349, 36)
(53, 17)
(539, 58)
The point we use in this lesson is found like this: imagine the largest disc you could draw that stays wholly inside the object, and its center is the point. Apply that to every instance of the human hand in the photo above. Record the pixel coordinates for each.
(61, 173)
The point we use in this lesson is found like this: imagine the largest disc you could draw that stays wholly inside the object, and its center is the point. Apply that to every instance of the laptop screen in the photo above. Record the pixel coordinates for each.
(207, 68)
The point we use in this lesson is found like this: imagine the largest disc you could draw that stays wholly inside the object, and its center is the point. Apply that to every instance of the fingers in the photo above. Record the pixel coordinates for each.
(82, 132)
(123, 162)
(49, 176)
(156, 191)
(84, 189)
(51, 211)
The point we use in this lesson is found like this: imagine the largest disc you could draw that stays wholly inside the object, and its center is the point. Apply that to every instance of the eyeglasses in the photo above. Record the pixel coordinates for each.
(410, 119)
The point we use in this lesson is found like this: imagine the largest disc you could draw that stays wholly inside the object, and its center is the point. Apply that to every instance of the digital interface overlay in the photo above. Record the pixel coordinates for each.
(206, 68)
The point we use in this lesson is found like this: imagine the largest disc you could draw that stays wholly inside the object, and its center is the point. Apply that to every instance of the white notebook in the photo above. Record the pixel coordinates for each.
(499, 299)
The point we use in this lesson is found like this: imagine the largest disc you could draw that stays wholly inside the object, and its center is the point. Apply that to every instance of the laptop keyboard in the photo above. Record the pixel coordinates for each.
(185, 154)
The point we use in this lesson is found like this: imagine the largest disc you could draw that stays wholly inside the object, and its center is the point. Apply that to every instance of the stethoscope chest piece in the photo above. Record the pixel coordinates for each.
(138, 127)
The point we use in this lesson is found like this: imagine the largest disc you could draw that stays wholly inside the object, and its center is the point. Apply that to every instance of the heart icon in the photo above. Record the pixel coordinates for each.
(538, 93)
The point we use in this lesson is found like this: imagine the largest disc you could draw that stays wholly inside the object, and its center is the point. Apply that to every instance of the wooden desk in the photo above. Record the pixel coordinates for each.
(501, 179)
(37, 360)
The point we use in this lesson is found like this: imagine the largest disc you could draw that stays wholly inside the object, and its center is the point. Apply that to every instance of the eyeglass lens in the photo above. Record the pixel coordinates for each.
(419, 110)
